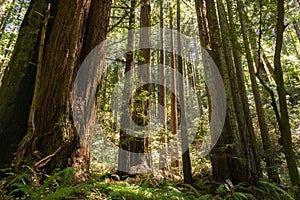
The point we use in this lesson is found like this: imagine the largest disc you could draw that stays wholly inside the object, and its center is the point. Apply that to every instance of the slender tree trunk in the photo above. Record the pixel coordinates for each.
(284, 124)
(296, 27)
(186, 162)
(163, 93)
(5, 18)
(2, 8)
(174, 118)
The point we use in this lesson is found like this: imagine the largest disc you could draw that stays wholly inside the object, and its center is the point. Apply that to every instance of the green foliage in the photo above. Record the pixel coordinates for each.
(264, 190)
(125, 191)
(10, 22)
(228, 191)
(60, 185)
(272, 190)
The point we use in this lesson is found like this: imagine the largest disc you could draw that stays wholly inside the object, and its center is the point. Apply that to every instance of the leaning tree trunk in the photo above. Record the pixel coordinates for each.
(17, 85)
(54, 141)
(268, 154)
(284, 123)
(296, 27)
(235, 140)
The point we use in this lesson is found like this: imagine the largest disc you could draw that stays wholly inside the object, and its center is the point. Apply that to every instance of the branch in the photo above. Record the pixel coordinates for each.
(45, 160)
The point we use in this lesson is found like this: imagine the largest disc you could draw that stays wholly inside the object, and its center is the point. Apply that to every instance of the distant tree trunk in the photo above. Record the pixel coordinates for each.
(186, 162)
(125, 139)
(284, 125)
(173, 117)
(196, 77)
(2, 8)
(141, 110)
(296, 27)
(54, 141)
(17, 85)
(5, 18)
(7, 48)
(162, 109)
(204, 41)
(268, 154)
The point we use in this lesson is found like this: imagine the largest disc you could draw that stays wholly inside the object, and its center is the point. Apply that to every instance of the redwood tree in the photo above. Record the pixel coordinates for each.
(74, 29)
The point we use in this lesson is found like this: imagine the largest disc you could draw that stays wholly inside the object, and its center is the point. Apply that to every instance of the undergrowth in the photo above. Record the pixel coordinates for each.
(61, 185)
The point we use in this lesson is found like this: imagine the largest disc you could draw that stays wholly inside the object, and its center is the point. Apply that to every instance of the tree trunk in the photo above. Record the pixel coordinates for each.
(284, 124)
(55, 142)
(219, 163)
(235, 138)
(95, 34)
(141, 115)
(163, 93)
(6, 17)
(296, 27)
(268, 154)
(247, 140)
(2, 8)
(126, 141)
(186, 162)
(173, 117)
(17, 85)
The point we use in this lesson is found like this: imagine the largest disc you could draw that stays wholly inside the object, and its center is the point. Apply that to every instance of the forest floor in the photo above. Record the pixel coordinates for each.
(106, 185)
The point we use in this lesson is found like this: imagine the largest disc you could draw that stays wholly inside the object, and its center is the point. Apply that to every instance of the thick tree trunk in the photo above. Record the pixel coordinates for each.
(95, 34)
(234, 138)
(284, 124)
(247, 140)
(55, 142)
(54, 132)
(17, 85)
(221, 157)
(219, 163)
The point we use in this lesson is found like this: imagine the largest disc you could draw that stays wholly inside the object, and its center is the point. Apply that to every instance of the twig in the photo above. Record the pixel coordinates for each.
(45, 160)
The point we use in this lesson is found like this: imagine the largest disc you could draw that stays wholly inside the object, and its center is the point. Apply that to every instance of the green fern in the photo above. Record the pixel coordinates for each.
(275, 191)
(57, 186)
